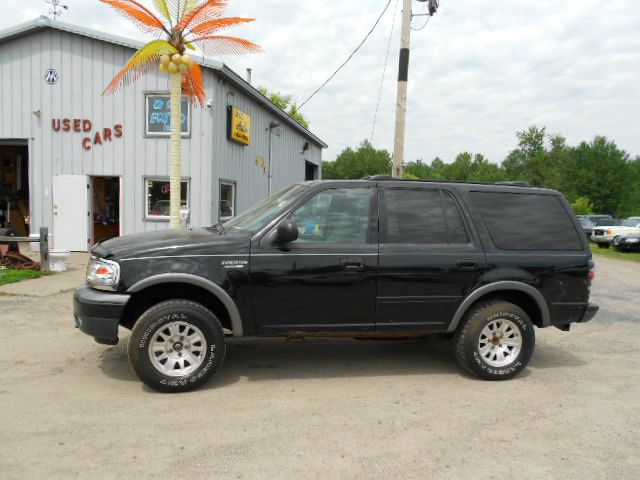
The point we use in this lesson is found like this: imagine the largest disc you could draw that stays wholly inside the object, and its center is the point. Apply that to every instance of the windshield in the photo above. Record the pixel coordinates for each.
(258, 216)
(630, 223)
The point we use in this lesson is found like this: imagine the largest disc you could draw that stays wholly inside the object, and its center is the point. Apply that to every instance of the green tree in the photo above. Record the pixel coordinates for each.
(602, 172)
(582, 206)
(631, 203)
(418, 169)
(286, 104)
(466, 167)
(362, 162)
(530, 160)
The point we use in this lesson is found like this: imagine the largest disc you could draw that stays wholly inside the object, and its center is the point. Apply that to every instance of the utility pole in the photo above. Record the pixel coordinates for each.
(403, 73)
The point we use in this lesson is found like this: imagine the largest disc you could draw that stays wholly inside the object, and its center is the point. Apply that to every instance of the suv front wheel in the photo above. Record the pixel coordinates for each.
(495, 340)
(176, 346)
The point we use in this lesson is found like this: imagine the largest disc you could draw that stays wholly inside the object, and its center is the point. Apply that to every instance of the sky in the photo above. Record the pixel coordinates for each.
(479, 71)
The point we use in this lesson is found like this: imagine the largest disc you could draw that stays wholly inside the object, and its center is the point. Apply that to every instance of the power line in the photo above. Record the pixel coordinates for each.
(384, 69)
(348, 58)
(423, 25)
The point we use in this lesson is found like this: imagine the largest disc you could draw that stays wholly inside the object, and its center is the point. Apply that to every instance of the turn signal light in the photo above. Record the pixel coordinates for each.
(102, 271)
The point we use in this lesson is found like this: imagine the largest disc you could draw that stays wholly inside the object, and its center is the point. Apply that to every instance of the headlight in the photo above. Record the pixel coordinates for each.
(103, 274)
(632, 240)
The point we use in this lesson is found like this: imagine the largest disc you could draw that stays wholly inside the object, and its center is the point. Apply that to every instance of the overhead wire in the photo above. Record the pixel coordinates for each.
(423, 25)
(384, 69)
(348, 58)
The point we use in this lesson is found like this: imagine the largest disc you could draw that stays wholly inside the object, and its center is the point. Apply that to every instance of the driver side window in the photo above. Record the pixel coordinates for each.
(337, 215)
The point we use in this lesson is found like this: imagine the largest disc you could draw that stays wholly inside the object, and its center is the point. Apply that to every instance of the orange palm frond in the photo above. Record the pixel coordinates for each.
(213, 45)
(202, 13)
(139, 14)
(193, 85)
(141, 62)
(213, 26)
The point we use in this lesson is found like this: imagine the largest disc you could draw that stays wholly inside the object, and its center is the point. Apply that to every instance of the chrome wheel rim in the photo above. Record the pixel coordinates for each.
(500, 342)
(177, 349)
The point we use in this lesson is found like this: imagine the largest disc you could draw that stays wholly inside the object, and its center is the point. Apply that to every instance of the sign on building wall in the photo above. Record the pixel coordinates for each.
(84, 125)
(239, 125)
(51, 76)
(158, 117)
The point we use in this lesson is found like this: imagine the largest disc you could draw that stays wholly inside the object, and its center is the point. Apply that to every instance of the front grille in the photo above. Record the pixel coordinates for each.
(598, 232)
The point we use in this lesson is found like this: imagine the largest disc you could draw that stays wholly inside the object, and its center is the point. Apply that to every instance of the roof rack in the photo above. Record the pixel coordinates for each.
(517, 183)
(380, 177)
(512, 183)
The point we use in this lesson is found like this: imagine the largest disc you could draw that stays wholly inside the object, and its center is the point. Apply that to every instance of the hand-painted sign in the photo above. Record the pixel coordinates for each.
(239, 126)
(158, 108)
(84, 125)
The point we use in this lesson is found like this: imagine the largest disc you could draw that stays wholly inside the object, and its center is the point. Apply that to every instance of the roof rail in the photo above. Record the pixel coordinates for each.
(379, 177)
(517, 183)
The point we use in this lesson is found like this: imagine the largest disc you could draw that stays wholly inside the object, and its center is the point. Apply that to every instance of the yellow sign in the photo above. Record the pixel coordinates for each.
(239, 126)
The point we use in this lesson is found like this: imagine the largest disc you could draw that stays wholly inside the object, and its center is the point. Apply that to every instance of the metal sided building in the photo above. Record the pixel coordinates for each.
(90, 167)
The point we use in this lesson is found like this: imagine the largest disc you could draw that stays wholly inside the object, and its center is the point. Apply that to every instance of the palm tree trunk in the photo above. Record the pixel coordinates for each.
(175, 156)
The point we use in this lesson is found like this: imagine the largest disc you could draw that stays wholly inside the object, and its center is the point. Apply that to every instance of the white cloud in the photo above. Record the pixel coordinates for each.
(479, 71)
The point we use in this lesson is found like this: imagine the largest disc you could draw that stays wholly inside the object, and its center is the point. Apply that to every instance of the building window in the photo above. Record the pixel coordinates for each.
(158, 115)
(227, 200)
(157, 192)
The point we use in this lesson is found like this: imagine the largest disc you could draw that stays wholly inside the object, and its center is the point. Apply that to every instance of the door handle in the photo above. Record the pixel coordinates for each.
(467, 264)
(352, 264)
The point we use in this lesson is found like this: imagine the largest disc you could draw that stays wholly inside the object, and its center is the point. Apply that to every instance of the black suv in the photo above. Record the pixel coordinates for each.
(479, 263)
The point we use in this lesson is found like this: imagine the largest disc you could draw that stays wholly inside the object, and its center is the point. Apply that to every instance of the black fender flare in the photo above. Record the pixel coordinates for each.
(535, 295)
(216, 290)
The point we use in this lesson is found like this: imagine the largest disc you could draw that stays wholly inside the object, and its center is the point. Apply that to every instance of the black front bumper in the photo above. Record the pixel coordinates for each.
(98, 313)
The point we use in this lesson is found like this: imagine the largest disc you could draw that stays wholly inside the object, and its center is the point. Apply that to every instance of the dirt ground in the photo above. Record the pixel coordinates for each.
(71, 408)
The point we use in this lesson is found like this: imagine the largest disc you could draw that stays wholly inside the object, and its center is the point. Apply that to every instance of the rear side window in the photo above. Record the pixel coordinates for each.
(521, 221)
(423, 217)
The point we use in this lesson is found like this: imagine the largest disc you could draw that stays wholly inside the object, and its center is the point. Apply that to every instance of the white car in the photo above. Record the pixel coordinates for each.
(603, 235)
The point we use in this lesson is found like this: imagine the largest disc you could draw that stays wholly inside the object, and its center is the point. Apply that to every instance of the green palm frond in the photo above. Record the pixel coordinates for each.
(163, 7)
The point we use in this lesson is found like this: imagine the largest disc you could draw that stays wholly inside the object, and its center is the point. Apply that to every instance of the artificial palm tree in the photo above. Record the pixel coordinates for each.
(185, 24)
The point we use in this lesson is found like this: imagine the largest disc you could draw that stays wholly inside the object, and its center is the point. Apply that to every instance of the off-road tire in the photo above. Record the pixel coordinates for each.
(169, 314)
(603, 245)
(468, 338)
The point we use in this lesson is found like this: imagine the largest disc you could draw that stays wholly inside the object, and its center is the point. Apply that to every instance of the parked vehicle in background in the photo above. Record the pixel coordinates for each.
(606, 231)
(360, 258)
(627, 243)
(596, 218)
(587, 226)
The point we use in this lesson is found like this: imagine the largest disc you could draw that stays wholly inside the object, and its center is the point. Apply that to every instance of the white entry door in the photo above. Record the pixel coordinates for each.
(71, 212)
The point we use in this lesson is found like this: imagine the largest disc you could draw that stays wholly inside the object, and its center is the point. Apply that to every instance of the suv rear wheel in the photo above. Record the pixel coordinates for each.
(495, 341)
(176, 346)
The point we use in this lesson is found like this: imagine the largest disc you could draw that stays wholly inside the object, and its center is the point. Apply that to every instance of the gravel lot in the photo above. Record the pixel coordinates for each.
(325, 408)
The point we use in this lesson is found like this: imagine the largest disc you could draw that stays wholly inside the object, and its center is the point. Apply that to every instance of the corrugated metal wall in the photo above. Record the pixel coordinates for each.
(85, 67)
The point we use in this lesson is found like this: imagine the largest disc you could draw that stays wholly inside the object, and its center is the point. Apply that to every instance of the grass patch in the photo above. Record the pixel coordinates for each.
(12, 276)
(613, 253)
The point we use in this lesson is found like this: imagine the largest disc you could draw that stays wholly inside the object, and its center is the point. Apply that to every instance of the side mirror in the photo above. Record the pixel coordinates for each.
(286, 232)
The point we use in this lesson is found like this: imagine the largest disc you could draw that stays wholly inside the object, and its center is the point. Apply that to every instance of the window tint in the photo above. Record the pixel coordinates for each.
(519, 221)
(339, 215)
(414, 216)
(456, 232)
